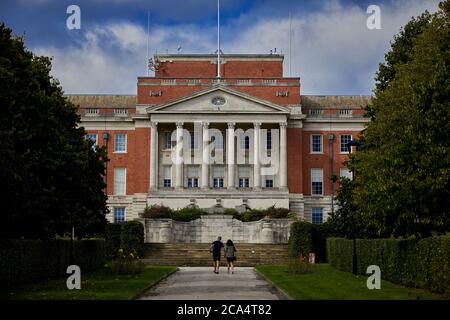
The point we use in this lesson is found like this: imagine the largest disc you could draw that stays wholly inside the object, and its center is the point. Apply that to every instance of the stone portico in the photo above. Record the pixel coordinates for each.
(219, 147)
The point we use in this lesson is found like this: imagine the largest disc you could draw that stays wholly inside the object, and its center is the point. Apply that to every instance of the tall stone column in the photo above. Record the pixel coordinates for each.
(256, 164)
(153, 156)
(179, 161)
(205, 156)
(283, 156)
(230, 155)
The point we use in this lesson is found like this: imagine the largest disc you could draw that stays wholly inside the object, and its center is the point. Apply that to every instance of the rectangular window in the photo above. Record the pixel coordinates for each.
(218, 182)
(192, 175)
(244, 142)
(218, 141)
(317, 181)
(269, 140)
(316, 143)
(167, 143)
(244, 182)
(92, 137)
(119, 215)
(244, 176)
(194, 140)
(346, 173)
(167, 176)
(345, 139)
(317, 215)
(218, 175)
(120, 142)
(269, 182)
(120, 181)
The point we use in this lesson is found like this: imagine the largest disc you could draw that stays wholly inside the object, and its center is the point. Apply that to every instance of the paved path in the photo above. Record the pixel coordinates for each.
(200, 283)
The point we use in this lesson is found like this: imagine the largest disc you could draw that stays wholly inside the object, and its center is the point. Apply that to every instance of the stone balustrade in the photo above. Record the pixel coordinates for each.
(208, 228)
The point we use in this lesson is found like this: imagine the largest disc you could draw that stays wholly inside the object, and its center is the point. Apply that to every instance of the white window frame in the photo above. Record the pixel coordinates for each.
(96, 138)
(124, 214)
(218, 141)
(267, 179)
(346, 170)
(218, 178)
(125, 143)
(167, 134)
(312, 215)
(311, 139)
(167, 179)
(340, 142)
(315, 172)
(117, 190)
(244, 178)
(192, 181)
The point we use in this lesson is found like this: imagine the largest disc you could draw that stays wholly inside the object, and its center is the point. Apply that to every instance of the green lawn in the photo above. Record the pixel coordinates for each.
(95, 286)
(329, 283)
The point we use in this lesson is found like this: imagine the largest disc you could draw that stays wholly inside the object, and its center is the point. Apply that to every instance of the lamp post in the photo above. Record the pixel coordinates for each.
(350, 144)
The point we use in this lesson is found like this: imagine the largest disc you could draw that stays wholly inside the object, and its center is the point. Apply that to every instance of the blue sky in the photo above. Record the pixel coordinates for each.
(333, 51)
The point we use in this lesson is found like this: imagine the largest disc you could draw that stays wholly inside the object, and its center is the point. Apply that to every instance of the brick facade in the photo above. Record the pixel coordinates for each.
(257, 77)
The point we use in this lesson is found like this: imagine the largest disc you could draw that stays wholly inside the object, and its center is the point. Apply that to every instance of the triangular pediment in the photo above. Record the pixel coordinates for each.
(218, 100)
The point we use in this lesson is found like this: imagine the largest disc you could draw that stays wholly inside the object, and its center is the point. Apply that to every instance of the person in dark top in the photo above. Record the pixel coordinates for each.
(230, 254)
(216, 249)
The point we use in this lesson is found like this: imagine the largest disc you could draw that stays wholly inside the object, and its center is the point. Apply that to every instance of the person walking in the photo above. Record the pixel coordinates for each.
(216, 250)
(230, 254)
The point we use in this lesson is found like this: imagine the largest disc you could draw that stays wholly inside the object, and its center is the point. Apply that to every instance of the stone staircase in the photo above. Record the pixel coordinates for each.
(197, 254)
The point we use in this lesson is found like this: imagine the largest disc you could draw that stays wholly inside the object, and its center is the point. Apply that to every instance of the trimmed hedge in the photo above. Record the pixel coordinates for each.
(421, 263)
(306, 237)
(128, 235)
(24, 261)
(113, 235)
(300, 240)
(133, 237)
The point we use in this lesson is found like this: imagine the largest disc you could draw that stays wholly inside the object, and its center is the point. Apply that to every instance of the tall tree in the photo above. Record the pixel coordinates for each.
(52, 177)
(400, 53)
(403, 168)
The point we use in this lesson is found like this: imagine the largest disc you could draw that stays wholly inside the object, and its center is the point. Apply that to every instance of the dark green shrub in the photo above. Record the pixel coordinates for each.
(133, 237)
(277, 213)
(253, 215)
(231, 212)
(188, 214)
(418, 263)
(157, 212)
(300, 240)
(113, 233)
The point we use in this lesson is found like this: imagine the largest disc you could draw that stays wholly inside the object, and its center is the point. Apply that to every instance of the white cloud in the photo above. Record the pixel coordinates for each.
(334, 51)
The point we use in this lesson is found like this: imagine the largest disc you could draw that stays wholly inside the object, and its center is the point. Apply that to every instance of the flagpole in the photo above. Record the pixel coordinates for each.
(218, 39)
(148, 33)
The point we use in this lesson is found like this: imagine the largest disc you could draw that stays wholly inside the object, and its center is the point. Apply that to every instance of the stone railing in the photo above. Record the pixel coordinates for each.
(208, 228)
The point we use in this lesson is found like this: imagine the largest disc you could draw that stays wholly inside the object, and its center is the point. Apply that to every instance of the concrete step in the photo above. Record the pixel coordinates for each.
(198, 254)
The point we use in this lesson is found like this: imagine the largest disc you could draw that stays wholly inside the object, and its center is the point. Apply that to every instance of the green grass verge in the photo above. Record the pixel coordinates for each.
(327, 283)
(94, 286)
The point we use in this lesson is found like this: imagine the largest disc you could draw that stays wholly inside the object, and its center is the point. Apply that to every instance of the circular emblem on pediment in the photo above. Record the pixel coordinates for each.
(218, 101)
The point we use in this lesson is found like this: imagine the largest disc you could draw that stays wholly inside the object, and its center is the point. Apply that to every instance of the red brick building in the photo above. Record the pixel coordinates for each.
(246, 139)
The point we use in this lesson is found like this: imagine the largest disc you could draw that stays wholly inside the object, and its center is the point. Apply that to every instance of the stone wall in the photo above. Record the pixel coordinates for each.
(208, 228)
